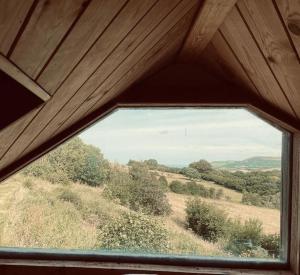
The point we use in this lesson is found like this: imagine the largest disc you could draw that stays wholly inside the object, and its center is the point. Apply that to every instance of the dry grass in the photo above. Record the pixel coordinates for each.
(33, 215)
(269, 217)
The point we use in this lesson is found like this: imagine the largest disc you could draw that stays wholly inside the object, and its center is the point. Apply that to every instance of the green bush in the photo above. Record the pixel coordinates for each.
(164, 182)
(119, 187)
(271, 243)
(244, 238)
(206, 220)
(69, 196)
(202, 166)
(72, 161)
(177, 187)
(140, 192)
(28, 183)
(134, 232)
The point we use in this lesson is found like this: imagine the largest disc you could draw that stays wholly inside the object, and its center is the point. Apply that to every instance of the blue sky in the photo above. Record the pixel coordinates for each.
(179, 136)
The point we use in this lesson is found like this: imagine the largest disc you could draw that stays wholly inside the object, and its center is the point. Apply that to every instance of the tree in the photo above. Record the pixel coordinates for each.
(202, 166)
(151, 163)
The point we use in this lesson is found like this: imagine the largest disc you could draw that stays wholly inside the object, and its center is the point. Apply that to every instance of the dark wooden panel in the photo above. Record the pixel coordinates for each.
(46, 28)
(272, 39)
(219, 59)
(84, 34)
(211, 15)
(15, 100)
(12, 16)
(139, 41)
(250, 56)
(290, 13)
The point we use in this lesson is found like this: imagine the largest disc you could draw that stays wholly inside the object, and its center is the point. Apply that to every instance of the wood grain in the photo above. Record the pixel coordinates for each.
(211, 15)
(240, 40)
(141, 39)
(218, 58)
(290, 13)
(114, 34)
(87, 30)
(15, 73)
(169, 43)
(46, 28)
(12, 16)
(269, 33)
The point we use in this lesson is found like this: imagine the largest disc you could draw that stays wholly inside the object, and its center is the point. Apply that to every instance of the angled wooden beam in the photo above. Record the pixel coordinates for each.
(211, 15)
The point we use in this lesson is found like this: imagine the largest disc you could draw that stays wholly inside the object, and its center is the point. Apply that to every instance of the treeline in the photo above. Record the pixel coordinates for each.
(195, 189)
(260, 188)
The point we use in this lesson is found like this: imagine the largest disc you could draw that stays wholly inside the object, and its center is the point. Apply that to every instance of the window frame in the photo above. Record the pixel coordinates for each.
(45, 257)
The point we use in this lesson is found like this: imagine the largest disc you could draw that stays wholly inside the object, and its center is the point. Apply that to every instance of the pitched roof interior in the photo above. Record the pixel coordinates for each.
(86, 53)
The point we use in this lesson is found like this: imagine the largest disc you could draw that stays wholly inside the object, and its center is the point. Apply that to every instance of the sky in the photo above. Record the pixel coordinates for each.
(177, 137)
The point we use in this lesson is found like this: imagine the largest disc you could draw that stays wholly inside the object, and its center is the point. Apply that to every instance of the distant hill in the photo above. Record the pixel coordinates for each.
(250, 163)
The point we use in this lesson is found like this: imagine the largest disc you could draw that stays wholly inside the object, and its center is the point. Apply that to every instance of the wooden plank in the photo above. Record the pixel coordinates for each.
(143, 37)
(89, 27)
(34, 267)
(160, 53)
(290, 13)
(10, 133)
(46, 28)
(12, 16)
(210, 17)
(270, 35)
(240, 40)
(14, 72)
(218, 58)
(114, 34)
(169, 44)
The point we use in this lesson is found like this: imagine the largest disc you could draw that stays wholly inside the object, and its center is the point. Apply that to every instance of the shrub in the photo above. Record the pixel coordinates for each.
(28, 183)
(72, 161)
(149, 197)
(271, 243)
(163, 182)
(202, 166)
(177, 187)
(206, 220)
(134, 232)
(244, 237)
(143, 194)
(119, 187)
(69, 196)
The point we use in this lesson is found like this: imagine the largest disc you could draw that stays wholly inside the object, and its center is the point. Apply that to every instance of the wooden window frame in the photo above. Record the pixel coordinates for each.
(117, 264)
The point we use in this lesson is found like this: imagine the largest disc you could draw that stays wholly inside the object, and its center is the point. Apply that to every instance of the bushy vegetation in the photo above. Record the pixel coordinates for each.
(196, 189)
(241, 239)
(138, 190)
(73, 161)
(270, 201)
(206, 220)
(136, 233)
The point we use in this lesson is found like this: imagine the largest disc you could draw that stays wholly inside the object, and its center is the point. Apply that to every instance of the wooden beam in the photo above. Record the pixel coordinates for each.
(210, 17)
(14, 72)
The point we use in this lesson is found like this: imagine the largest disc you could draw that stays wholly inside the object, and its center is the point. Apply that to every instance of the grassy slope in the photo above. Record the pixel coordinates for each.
(36, 217)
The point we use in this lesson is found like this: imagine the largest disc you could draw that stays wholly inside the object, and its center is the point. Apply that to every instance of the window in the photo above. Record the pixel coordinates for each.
(184, 184)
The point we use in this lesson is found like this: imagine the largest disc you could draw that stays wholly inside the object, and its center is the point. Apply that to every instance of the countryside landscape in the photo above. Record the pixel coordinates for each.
(75, 198)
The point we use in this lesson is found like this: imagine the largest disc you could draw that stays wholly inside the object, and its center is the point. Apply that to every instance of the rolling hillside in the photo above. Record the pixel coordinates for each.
(259, 163)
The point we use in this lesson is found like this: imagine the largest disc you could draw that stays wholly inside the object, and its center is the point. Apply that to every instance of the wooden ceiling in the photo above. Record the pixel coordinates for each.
(85, 53)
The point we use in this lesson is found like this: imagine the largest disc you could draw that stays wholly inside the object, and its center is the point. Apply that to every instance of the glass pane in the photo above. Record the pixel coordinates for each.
(202, 182)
